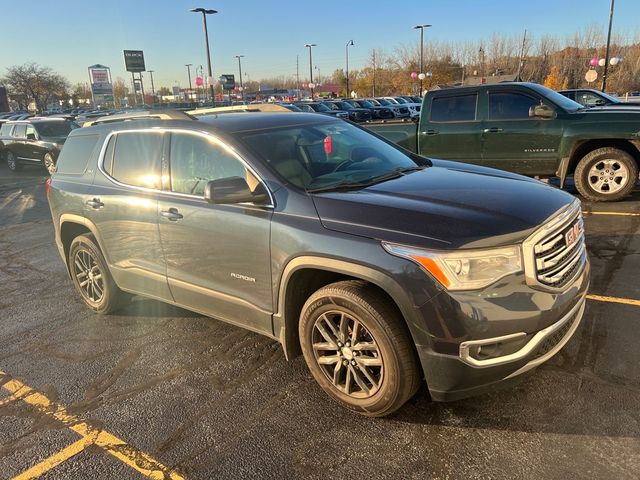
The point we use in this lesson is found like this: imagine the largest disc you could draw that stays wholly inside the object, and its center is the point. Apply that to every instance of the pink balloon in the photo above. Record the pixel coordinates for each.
(199, 81)
(594, 61)
(305, 85)
(414, 75)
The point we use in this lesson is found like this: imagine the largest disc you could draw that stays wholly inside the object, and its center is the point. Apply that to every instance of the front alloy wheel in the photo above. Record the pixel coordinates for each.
(89, 276)
(49, 163)
(608, 176)
(348, 354)
(358, 347)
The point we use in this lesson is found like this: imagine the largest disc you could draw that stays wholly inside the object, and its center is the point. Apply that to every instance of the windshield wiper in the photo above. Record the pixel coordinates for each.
(349, 184)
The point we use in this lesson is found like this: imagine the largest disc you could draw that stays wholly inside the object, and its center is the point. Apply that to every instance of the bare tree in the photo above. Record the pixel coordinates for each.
(36, 83)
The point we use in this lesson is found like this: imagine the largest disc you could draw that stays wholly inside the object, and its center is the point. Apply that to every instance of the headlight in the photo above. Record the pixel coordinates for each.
(463, 269)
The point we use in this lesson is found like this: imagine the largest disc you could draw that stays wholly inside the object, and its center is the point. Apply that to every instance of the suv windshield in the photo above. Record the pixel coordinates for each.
(54, 129)
(329, 156)
(319, 107)
(557, 98)
(384, 102)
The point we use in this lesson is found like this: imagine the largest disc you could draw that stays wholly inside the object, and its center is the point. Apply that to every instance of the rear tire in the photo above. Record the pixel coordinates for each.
(358, 348)
(91, 276)
(12, 162)
(606, 175)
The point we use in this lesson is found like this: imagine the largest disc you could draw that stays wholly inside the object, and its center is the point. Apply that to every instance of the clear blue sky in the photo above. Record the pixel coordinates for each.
(69, 35)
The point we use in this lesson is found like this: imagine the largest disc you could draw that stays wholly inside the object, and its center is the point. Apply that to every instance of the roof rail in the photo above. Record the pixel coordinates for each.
(144, 115)
(254, 107)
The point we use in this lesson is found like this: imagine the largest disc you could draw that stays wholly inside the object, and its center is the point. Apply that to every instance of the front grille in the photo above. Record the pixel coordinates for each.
(558, 252)
(403, 110)
(556, 337)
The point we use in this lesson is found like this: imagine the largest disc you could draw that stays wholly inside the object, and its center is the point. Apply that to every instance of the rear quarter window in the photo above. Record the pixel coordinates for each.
(75, 154)
(456, 108)
(4, 130)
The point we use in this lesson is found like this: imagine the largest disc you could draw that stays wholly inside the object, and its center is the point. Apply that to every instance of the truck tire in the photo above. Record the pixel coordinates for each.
(606, 175)
(91, 276)
(358, 348)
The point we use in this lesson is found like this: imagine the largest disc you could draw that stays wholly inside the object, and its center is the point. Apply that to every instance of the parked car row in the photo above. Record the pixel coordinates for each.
(362, 109)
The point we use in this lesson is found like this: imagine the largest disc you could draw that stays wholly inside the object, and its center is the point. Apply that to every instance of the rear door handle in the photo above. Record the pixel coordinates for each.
(431, 132)
(492, 130)
(95, 203)
(171, 214)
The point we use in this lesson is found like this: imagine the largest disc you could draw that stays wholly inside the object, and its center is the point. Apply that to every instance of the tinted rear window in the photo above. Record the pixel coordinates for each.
(4, 130)
(76, 154)
(20, 131)
(137, 159)
(458, 108)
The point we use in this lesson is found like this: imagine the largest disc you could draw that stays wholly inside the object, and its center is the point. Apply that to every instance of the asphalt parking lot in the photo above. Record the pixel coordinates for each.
(162, 392)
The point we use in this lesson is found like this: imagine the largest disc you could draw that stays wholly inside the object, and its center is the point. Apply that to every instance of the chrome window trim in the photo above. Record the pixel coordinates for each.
(530, 346)
(164, 130)
(557, 221)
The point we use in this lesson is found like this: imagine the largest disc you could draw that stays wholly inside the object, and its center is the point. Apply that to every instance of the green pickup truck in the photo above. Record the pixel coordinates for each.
(529, 129)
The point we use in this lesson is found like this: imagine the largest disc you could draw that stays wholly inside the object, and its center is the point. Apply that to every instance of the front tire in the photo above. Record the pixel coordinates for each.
(12, 162)
(49, 163)
(606, 175)
(91, 276)
(358, 349)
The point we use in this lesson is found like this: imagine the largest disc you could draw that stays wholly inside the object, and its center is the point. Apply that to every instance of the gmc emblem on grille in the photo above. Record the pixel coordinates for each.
(573, 234)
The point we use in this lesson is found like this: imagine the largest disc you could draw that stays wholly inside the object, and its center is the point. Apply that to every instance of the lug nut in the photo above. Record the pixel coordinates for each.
(348, 344)
(345, 363)
(353, 362)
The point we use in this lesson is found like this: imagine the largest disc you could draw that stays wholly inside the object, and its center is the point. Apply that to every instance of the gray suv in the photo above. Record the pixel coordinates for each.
(383, 268)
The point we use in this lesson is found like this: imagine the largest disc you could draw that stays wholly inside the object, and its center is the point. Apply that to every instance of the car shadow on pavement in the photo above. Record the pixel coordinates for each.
(144, 307)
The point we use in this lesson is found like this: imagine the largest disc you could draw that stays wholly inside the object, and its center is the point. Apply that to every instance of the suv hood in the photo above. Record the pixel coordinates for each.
(447, 206)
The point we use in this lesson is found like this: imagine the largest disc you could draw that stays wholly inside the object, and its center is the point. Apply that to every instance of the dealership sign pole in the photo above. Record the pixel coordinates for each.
(134, 62)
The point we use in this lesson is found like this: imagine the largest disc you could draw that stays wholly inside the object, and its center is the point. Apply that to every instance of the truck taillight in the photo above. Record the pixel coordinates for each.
(47, 186)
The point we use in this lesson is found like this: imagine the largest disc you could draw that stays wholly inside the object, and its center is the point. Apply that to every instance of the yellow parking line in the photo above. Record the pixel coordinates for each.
(624, 301)
(113, 445)
(622, 214)
(13, 397)
(55, 459)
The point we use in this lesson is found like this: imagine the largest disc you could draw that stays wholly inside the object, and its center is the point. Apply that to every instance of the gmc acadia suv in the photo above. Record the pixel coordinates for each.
(382, 267)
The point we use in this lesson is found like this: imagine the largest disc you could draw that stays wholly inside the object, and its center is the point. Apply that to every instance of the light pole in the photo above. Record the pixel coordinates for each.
(205, 12)
(189, 65)
(350, 42)
(310, 46)
(153, 89)
(421, 27)
(606, 55)
(240, 71)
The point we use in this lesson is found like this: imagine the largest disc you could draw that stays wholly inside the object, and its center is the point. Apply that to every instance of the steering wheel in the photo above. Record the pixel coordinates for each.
(347, 163)
(343, 165)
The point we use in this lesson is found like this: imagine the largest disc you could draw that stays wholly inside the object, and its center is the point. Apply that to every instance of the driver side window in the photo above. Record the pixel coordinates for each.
(196, 160)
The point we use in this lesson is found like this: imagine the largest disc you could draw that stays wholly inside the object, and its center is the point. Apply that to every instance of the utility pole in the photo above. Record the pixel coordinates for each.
(298, 75)
(374, 73)
(240, 68)
(133, 85)
(310, 46)
(153, 89)
(188, 65)
(206, 12)
(421, 75)
(521, 61)
(350, 42)
(606, 55)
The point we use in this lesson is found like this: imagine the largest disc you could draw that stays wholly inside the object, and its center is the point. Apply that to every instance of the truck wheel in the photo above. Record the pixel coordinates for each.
(606, 175)
(49, 163)
(358, 348)
(92, 278)
(12, 162)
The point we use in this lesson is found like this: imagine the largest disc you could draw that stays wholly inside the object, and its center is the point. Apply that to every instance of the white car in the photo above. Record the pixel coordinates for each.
(414, 108)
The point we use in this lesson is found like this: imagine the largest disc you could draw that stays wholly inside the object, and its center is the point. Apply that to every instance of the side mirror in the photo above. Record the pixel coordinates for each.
(31, 136)
(542, 111)
(234, 190)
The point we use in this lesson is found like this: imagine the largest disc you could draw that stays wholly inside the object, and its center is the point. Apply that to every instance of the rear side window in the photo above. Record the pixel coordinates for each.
(137, 159)
(76, 154)
(458, 108)
(5, 129)
(510, 106)
(20, 131)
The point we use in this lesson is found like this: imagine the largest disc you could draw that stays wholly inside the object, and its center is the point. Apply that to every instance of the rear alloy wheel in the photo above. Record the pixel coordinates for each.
(92, 278)
(49, 163)
(606, 174)
(12, 162)
(358, 348)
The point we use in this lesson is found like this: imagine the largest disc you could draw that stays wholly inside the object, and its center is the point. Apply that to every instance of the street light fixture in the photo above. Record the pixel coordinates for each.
(240, 71)
(350, 42)
(205, 12)
(153, 89)
(421, 27)
(310, 46)
(189, 65)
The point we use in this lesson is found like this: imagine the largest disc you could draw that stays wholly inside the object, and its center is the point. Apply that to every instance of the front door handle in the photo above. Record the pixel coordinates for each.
(94, 203)
(171, 214)
(431, 132)
(492, 130)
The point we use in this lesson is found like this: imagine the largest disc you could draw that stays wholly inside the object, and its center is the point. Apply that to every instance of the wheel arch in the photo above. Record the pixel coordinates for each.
(304, 275)
(632, 147)
(72, 226)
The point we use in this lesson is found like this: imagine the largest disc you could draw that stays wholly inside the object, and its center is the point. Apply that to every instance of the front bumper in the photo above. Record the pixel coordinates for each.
(539, 324)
